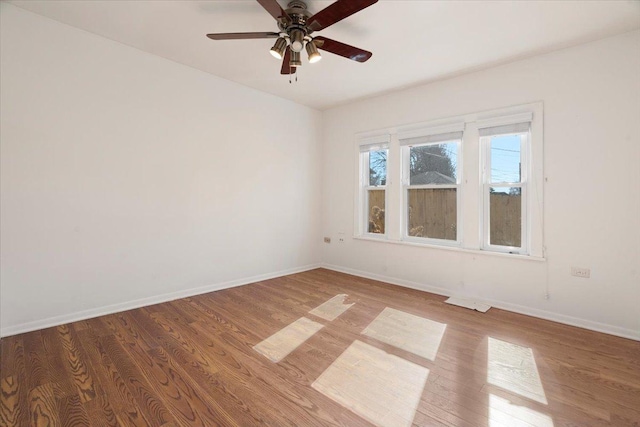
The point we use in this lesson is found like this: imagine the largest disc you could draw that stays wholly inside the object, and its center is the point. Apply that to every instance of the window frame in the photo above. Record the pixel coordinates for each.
(365, 147)
(470, 182)
(487, 184)
(406, 186)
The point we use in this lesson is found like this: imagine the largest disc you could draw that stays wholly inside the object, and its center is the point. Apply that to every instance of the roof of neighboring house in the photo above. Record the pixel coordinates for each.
(431, 177)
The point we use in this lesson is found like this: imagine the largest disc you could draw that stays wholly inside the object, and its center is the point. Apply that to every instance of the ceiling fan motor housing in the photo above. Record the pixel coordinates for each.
(297, 10)
(296, 26)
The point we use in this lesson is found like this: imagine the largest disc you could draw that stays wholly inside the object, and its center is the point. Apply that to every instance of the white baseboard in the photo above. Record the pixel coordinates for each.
(143, 302)
(520, 309)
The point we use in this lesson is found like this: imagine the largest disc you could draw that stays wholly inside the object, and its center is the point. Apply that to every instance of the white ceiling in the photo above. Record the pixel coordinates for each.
(413, 42)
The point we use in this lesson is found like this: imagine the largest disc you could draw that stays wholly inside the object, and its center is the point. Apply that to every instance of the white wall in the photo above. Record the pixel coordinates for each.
(591, 96)
(126, 177)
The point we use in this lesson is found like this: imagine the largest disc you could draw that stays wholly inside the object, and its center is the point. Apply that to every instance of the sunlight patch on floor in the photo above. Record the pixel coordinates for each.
(283, 342)
(380, 387)
(513, 368)
(333, 308)
(503, 413)
(408, 332)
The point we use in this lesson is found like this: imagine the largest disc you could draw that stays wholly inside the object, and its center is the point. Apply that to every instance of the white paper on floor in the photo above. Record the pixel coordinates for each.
(407, 332)
(380, 387)
(333, 308)
(469, 303)
(283, 342)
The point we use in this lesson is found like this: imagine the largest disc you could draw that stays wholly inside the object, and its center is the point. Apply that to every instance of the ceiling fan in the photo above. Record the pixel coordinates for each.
(296, 25)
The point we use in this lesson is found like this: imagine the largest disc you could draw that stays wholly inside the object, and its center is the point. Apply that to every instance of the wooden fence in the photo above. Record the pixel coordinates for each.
(433, 213)
(505, 219)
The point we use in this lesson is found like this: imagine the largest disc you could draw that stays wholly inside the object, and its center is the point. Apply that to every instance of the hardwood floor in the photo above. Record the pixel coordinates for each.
(191, 362)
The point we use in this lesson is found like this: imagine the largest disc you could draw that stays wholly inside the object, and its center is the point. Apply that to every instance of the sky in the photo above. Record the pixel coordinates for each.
(505, 158)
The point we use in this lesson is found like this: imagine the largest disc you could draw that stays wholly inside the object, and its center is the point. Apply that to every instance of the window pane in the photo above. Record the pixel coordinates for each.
(433, 164)
(505, 158)
(433, 213)
(378, 167)
(376, 211)
(505, 216)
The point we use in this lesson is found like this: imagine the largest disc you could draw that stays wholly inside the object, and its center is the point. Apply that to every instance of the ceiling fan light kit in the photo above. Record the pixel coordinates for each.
(312, 51)
(295, 59)
(278, 49)
(296, 26)
(296, 38)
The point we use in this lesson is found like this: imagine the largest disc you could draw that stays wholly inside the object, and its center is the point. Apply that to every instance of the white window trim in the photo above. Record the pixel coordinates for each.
(504, 119)
(471, 203)
(421, 245)
(409, 132)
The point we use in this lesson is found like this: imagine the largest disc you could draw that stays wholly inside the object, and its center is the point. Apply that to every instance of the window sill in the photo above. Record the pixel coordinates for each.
(452, 248)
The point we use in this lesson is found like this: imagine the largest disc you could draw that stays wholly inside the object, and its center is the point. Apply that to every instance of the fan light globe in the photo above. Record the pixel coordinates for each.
(312, 51)
(296, 46)
(297, 40)
(278, 48)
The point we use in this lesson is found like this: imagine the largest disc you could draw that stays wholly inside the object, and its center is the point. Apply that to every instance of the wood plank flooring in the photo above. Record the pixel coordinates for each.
(190, 362)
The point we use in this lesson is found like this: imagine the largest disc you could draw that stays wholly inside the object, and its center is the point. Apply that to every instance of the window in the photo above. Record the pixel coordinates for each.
(472, 182)
(430, 190)
(373, 194)
(505, 187)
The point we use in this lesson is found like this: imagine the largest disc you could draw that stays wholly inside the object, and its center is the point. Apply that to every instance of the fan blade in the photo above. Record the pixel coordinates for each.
(337, 12)
(274, 9)
(240, 36)
(286, 68)
(345, 50)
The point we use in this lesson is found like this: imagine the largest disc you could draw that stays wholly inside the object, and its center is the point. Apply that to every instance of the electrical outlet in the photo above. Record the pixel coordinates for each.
(584, 273)
(340, 239)
(327, 239)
